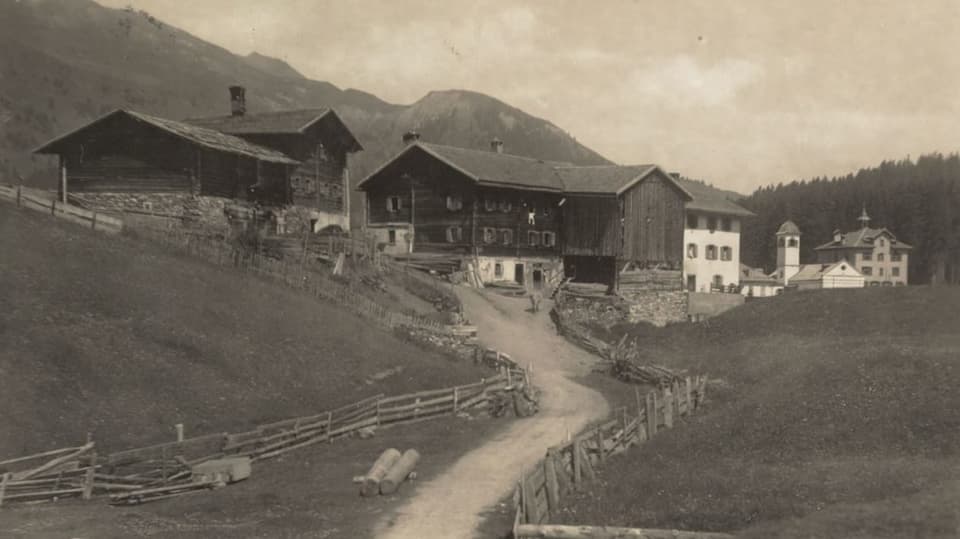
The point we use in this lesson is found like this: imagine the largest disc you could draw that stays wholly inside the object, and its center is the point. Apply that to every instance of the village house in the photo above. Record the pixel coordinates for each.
(754, 283)
(875, 252)
(530, 221)
(839, 273)
(130, 161)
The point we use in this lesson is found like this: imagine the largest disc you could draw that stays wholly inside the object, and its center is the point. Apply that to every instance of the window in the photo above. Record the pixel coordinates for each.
(392, 237)
(718, 281)
(692, 250)
(533, 238)
(506, 236)
(549, 239)
(489, 235)
(881, 272)
(882, 242)
(881, 257)
(692, 220)
(866, 270)
(726, 224)
(489, 204)
(895, 272)
(394, 204)
(505, 206)
(781, 242)
(712, 223)
(711, 252)
(498, 270)
(895, 257)
(868, 256)
(792, 242)
(454, 234)
(726, 253)
(454, 202)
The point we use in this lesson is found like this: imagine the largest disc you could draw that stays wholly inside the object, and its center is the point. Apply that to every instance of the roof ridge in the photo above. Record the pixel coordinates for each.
(491, 153)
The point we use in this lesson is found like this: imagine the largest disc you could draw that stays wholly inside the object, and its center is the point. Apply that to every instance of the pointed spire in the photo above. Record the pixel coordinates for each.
(864, 218)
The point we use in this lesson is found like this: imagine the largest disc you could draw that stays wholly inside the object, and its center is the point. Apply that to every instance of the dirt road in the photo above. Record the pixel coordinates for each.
(450, 505)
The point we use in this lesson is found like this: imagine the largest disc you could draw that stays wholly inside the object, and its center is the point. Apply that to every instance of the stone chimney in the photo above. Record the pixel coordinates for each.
(837, 236)
(675, 175)
(496, 145)
(411, 137)
(238, 100)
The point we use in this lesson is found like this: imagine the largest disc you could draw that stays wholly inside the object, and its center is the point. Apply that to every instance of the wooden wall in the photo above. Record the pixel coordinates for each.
(432, 182)
(653, 221)
(591, 226)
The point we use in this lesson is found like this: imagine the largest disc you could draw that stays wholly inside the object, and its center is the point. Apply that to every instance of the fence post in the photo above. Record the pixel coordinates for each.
(600, 445)
(330, 426)
(179, 428)
(577, 464)
(93, 221)
(651, 414)
(456, 395)
(636, 393)
(529, 502)
(53, 208)
(550, 478)
(667, 408)
(19, 188)
(89, 477)
(4, 479)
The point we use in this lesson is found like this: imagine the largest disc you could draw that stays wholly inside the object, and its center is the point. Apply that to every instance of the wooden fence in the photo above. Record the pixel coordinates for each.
(296, 274)
(540, 490)
(162, 470)
(42, 201)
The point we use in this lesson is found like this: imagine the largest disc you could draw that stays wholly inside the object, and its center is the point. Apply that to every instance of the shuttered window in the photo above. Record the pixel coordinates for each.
(533, 238)
(692, 250)
(711, 252)
(489, 235)
(394, 204)
(549, 239)
(506, 236)
(454, 234)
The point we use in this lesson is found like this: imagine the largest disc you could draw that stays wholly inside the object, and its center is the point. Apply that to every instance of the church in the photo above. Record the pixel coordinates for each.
(837, 273)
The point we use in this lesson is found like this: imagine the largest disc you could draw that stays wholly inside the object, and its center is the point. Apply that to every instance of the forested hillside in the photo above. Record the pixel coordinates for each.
(919, 201)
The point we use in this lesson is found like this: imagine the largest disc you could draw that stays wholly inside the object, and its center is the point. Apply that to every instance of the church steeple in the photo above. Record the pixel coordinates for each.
(864, 218)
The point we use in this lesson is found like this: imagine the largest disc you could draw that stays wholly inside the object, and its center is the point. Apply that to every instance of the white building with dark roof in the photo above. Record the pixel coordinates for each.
(874, 252)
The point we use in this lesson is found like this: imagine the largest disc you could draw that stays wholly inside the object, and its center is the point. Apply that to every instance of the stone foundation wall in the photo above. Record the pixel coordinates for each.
(657, 307)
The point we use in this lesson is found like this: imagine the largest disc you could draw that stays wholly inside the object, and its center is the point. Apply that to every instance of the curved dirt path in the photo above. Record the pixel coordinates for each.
(450, 505)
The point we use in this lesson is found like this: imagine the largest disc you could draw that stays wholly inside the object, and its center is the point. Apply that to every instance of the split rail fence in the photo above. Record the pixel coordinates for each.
(163, 470)
(540, 490)
(35, 199)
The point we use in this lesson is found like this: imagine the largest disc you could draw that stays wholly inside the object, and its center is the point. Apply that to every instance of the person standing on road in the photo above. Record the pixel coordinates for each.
(535, 299)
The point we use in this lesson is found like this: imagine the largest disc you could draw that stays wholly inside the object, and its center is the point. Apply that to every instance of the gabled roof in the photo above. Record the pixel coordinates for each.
(863, 239)
(815, 272)
(602, 179)
(711, 200)
(286, 122)
(486, 167)
(754, 275)
(207, 138)
(505, 170)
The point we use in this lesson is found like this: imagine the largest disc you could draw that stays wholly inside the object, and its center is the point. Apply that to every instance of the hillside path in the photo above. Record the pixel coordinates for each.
(451, 504)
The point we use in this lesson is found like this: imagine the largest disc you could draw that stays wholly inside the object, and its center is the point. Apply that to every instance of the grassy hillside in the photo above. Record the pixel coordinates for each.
(830, 409)
(124, 339)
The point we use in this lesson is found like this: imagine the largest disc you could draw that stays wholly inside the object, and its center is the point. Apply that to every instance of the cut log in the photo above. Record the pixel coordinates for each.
(399, 471)
(371, 482)
(553, 531)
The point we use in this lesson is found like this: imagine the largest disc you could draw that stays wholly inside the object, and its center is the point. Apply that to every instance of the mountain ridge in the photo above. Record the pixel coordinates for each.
(67, 62)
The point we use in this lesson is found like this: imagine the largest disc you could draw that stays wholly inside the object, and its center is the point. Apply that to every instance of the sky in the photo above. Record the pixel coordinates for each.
(741, 94)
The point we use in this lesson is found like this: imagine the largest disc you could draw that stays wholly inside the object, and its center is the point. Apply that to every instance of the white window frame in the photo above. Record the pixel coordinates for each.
(692, 250)
(710, 253)
(454, 202)
(489, 235)
(454, 234)
(390, 205)
(506, 236)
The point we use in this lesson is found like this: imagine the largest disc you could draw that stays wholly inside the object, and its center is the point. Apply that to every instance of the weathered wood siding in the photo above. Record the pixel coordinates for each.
(591, 226)
(653, 220)
(424, 185)
(319, 180)
(125, 174)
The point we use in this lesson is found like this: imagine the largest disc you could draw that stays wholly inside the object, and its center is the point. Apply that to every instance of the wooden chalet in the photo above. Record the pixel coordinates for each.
(513, 216)
(130, 161)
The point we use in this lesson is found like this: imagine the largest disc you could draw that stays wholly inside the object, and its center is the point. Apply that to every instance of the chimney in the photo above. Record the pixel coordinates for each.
(496, 145)
(675, 175)
(837, 236)
(410, 137)
(238, 100)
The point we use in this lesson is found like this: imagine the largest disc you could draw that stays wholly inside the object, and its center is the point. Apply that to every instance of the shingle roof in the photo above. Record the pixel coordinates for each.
(863, 239)
(754, 275)
(788, 228)
(283, 122)
(601, 179)
(813, 272)
(197, 135)
(711, 200)
(495, 168)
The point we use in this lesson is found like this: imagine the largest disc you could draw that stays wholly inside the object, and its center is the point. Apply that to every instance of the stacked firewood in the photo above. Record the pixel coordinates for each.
(626, 363)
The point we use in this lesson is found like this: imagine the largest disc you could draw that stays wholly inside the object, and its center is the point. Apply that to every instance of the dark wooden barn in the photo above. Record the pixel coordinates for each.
(317, 138)
(131, 152)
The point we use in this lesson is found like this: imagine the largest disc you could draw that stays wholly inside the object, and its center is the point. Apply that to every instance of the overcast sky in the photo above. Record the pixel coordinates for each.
(738, 93)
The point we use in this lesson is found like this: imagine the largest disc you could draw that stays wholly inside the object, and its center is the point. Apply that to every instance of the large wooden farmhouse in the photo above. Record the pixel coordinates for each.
(130, 161)
(531, 221)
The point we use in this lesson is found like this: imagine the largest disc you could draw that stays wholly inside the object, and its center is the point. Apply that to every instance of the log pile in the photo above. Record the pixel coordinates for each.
(627, 364)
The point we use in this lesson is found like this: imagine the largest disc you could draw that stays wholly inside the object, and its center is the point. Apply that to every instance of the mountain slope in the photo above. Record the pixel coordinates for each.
(65, 62)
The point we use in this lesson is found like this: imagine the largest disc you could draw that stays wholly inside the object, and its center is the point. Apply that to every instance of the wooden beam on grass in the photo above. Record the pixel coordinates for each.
(54, 463)
(555, 531)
